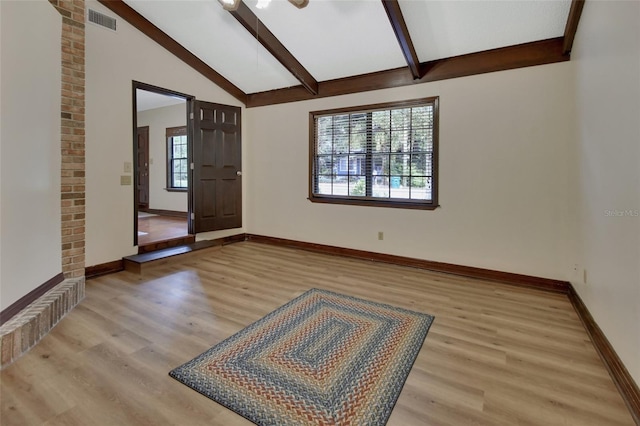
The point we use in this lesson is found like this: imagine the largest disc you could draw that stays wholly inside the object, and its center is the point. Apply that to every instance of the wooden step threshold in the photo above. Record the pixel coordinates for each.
(173, 242)
(138, 263)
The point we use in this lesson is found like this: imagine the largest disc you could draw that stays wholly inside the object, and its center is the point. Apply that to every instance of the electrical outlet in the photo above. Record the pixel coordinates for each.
(380, 235)
(577, 274)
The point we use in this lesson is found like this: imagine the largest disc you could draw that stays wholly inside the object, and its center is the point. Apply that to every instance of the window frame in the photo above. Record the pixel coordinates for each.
(172, 132)
(403, 203)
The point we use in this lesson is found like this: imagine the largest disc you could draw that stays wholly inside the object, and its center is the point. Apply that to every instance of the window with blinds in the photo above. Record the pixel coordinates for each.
(383, 155)
(177, 167)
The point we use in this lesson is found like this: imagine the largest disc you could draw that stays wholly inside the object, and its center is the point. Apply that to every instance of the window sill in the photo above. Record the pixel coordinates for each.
(176, 189)
(369, 202)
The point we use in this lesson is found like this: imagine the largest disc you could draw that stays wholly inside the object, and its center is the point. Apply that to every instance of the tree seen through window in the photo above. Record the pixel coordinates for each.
(381, 154)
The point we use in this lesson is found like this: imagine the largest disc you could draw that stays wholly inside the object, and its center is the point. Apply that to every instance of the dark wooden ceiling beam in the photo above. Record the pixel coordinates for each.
(402, 34)
(257, 29)
(505, 58)
(511, 57)
(572, 25)
(156, 34)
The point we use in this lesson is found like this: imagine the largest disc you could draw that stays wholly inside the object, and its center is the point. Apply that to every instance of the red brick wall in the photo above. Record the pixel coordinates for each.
(72, 136)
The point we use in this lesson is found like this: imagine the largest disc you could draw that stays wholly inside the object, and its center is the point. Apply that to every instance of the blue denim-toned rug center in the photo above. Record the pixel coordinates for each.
(321, 359)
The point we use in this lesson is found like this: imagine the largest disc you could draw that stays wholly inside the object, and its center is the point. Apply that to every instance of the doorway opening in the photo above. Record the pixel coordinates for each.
(162, 138)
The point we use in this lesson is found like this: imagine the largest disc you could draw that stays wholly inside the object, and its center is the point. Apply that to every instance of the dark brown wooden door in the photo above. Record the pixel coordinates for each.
(217, 173)
(143, 167)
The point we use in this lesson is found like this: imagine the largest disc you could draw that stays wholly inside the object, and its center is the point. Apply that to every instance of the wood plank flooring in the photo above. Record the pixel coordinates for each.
(160, 228)
(495, 355)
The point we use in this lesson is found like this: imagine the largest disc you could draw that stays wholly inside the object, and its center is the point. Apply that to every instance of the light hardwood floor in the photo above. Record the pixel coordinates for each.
(495, 355)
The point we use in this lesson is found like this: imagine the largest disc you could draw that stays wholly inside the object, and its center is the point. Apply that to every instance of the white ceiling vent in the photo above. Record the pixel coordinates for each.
(101, 19)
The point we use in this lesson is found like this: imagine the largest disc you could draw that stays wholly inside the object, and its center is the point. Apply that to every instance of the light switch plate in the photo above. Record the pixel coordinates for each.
(127, 167)
(125, 180)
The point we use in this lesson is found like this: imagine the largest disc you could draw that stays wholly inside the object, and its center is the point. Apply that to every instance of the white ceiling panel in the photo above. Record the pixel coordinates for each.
(146, 100)
(441, 29)
(334, 38)
(212, 34)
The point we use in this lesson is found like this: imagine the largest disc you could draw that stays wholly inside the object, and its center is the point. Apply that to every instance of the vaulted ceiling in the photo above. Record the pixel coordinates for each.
(282, 54)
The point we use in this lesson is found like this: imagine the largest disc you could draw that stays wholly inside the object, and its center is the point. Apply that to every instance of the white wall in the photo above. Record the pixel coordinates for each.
(113, 60)
(30, 147)
(158, 120)
(504, 140)
(606, 172)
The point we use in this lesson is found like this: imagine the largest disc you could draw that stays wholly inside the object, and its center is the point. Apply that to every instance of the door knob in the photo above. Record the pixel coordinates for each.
(238, 173)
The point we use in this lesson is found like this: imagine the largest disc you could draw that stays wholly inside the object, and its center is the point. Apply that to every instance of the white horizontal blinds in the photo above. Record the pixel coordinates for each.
(421, 148)
(376, 154)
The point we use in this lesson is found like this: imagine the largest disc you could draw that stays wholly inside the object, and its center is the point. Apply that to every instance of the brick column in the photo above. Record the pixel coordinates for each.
(72, 136)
